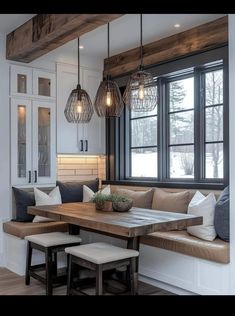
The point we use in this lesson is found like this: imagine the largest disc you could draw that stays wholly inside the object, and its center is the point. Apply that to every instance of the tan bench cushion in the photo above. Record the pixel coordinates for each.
(21, 230)
(181, 241)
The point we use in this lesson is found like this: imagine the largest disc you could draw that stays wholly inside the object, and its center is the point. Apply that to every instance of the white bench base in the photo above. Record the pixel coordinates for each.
(180, 271)
(15, 255)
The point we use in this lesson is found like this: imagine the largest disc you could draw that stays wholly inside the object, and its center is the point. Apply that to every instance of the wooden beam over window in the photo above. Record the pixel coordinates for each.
(45, 32)
(195, 40)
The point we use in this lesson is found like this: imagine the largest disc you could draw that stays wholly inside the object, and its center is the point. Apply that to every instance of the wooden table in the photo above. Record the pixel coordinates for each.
(128, 225)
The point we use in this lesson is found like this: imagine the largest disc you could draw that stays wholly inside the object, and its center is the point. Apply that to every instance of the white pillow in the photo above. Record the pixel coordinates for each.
(201, 205)
(88, 193)
(41, 198)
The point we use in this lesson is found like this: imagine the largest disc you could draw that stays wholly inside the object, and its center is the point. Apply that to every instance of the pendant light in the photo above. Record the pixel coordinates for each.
(141, 91)
(108, 100)
(78, 108)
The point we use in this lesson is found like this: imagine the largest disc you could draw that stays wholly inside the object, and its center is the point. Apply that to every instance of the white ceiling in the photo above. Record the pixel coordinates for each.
(8, 22)
(124, 31)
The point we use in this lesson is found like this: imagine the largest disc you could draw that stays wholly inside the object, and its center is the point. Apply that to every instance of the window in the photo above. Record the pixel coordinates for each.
(181, 127)
(213, 115)
(185, 138)
(143, 131)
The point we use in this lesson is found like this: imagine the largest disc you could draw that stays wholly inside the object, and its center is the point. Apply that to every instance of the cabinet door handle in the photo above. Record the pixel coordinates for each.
(86, 142)
(30, 177)
(35, 176)
(81, 145)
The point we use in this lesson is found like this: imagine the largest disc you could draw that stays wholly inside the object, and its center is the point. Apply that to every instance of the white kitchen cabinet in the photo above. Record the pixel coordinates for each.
(21, 80)
(29, 82)
(82, 138)
(33, 152)
(43, 83)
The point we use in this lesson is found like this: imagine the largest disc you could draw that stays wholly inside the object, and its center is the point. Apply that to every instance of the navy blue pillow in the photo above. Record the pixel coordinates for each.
(73, 191)
(23, 199)
(221, 220)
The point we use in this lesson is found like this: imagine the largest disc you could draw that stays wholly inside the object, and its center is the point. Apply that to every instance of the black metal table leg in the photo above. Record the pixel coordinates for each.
(134, 243)
(74, 229)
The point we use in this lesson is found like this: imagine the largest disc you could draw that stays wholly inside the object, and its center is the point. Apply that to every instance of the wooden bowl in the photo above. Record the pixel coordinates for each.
(122, 206)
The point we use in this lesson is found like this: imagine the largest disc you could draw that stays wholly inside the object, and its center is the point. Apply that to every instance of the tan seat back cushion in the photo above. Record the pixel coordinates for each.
(142, 199)
(171, 201)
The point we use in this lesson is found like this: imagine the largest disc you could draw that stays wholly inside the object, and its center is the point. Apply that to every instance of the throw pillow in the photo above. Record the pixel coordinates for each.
(203, 206)
(171, 201)
(23, 199)
(88, 193)
(42, 198)
(73, 191)
(222, 215)
(142, 199)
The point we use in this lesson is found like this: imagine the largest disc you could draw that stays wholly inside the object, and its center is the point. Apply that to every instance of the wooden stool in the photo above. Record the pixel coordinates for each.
(50, 244)
(101, 257)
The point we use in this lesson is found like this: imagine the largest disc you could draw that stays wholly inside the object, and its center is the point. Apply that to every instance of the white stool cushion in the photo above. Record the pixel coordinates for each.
(101, 252)
(53, 239)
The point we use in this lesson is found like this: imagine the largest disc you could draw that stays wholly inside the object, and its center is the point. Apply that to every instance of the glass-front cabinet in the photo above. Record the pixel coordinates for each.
(44, 142)
(32, 82)
(21, 80)
(43, 83)
(33, 151)
(21, 141)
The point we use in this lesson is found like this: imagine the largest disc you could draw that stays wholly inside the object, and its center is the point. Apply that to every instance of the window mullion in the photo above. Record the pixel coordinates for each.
(197, 125)
(162, 126)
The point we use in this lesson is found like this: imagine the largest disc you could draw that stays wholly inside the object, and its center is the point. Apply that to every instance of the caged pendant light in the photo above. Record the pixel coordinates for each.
(78, 108)
(108, 100)
(141, 91)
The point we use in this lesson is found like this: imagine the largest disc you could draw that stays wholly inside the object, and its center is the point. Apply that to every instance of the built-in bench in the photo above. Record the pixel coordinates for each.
(15, 244)
(21, 230)
(180, 241)
(179, 262)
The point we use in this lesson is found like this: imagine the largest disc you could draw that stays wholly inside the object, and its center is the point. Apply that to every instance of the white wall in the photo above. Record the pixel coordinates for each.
(232, 145)
(66, 54)
(4, 142)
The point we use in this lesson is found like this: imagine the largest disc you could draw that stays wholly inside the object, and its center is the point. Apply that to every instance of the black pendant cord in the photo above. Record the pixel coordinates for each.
(141, 42)
(78, 63)
(108, 77)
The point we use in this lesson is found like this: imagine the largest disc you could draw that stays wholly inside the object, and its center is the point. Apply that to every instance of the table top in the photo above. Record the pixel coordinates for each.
(135, 222)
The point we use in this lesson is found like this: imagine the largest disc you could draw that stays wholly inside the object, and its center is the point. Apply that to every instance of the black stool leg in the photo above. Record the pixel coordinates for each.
(55, 264)
(134, 277)
(48, 258)
(99, 279)
(70, 274)
(128, 277)
(28, 263)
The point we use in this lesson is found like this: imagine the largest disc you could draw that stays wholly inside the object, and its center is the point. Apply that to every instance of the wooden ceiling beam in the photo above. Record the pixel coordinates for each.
(195, 40)
(45, 32)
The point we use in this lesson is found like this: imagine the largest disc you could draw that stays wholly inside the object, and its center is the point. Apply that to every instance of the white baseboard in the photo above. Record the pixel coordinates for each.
(165, 286)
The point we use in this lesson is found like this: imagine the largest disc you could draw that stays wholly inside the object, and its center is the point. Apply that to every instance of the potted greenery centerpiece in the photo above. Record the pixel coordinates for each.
(121, 203)
(112, 202)
(103, 202)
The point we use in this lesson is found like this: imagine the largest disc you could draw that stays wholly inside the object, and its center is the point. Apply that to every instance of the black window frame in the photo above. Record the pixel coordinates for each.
(118, 138)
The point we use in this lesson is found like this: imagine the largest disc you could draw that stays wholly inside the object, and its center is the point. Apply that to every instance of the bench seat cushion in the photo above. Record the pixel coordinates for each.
(21, 230)
(181, 241)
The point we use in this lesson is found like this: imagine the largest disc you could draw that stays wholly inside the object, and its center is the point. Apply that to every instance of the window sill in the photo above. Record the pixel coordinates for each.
(183, 185)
